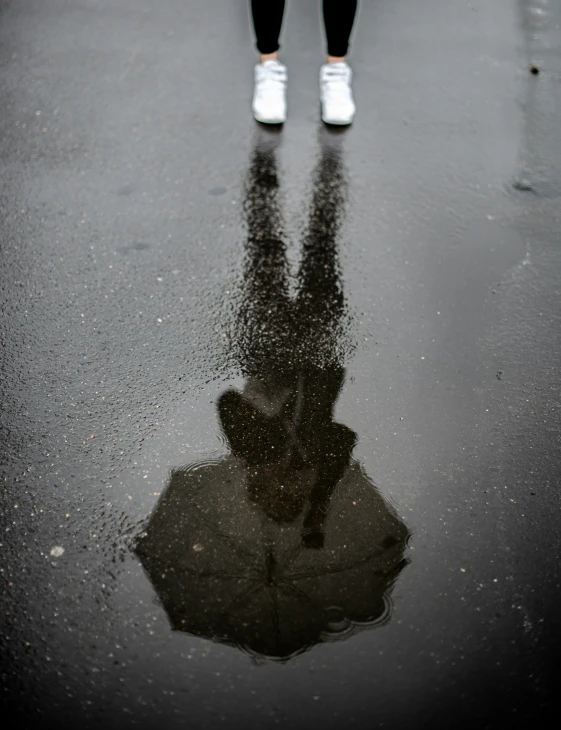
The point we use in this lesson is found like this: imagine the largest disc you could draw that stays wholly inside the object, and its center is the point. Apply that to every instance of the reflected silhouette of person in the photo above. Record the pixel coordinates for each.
(283, 543)
(282, 423)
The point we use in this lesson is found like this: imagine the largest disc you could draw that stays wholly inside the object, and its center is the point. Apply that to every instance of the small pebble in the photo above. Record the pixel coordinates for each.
(534, 69)
(57, 551)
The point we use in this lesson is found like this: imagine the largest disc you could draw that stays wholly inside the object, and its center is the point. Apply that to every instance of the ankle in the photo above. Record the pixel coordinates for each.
(336, 59)
(268, 57)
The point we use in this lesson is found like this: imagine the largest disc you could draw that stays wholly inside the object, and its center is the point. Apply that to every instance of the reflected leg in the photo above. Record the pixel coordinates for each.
(265, 305)
(321, 297)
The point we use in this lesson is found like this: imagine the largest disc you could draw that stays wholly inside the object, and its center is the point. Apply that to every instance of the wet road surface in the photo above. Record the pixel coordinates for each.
(280, 410)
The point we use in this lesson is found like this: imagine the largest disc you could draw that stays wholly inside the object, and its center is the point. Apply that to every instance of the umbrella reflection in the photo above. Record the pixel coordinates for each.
(285, 543)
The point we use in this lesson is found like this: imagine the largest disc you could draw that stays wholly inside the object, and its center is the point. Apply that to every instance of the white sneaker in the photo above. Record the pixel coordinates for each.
(269, 97)
(336, 94)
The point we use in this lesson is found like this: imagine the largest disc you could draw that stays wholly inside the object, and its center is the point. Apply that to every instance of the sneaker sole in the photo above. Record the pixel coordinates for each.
(332, 123)
(261, 120)
(336, 122)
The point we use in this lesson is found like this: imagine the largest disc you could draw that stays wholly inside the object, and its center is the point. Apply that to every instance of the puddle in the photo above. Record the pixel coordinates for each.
(284, 542)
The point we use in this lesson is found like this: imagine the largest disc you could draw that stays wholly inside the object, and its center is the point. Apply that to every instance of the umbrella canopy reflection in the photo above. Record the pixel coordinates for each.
(285, 543)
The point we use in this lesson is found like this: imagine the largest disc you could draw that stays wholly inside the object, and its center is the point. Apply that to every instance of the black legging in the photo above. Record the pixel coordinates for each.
(338, 18)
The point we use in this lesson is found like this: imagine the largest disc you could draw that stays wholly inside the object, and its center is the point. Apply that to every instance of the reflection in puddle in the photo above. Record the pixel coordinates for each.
(285, 543)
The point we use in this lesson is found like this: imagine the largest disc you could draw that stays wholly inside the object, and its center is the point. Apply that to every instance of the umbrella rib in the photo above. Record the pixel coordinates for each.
(244, 555)
(276, 617)
(291, 555)
(241, 597)
(300, 594)
(335, 569)
(215, 574)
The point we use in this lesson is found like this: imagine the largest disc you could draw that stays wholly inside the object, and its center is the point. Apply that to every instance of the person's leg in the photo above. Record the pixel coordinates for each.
(269, 96)
(337, 103)
(338, 19)
(267, 21)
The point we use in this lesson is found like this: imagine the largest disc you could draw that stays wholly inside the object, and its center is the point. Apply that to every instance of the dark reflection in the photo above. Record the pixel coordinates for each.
(285, 543)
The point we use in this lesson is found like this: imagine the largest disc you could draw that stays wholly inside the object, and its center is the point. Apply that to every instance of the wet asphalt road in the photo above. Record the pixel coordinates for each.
(184, 295)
